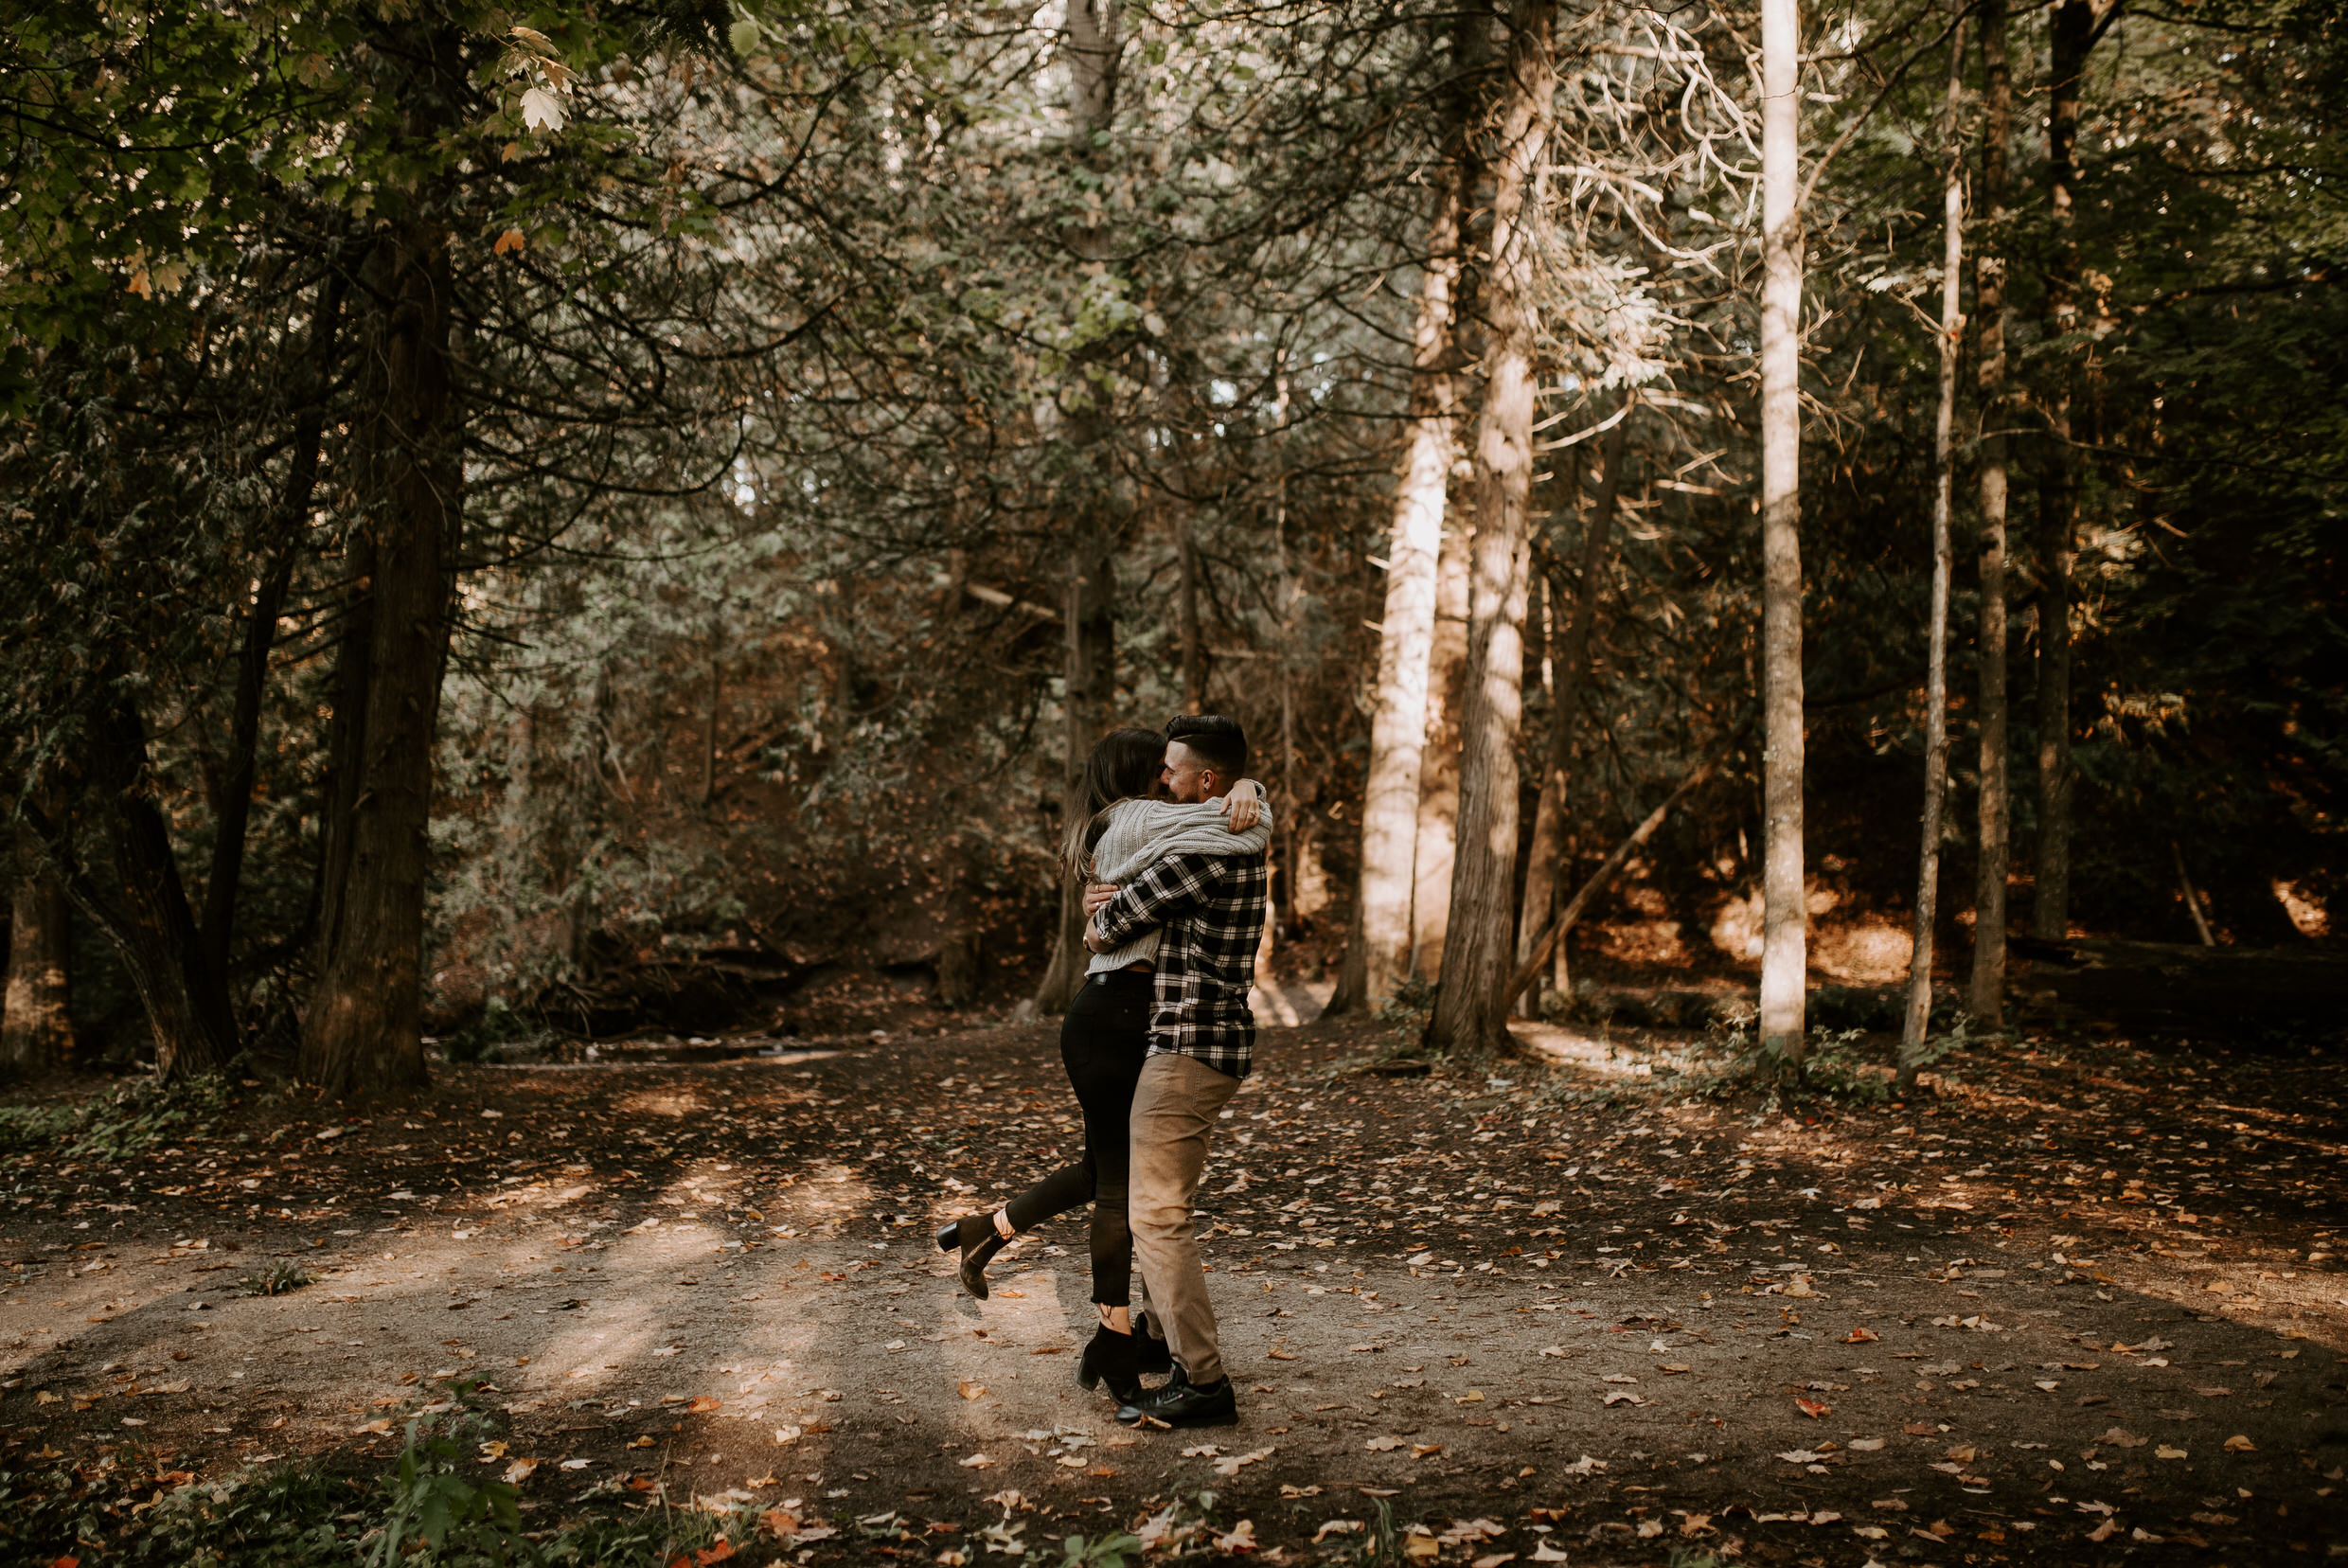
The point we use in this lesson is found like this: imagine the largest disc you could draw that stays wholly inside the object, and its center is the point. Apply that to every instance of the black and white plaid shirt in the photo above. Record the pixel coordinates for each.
(1212, 909)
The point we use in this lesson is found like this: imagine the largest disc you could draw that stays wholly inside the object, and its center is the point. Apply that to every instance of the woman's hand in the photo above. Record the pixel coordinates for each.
(1096, 896)
(1243, 804)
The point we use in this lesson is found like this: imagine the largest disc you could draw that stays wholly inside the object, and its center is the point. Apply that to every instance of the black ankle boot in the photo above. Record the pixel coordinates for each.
(1110, 1358)
(978, 1240)
(1151, 1356)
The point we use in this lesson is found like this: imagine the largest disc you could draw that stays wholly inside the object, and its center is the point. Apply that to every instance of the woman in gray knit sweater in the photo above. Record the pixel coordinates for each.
(1105, 1035)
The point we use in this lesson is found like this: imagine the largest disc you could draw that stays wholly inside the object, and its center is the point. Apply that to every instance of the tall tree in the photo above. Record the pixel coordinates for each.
(1785, 917)
(1379, 953)
(1544, 867)
(1478, 953)
(36, 1018)
(1436, 839)
(2072, 28)
(1986, 990)
(363, 1029)
(1094, 48)
(1919, 1013)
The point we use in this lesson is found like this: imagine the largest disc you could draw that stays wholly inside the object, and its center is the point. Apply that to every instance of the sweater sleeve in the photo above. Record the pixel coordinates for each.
(1167, 891)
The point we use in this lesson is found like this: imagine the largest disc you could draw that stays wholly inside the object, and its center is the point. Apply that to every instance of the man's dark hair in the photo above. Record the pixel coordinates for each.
(1218, 742)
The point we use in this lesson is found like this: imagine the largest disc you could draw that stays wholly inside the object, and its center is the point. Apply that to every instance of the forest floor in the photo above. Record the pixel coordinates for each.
(2076, 1304)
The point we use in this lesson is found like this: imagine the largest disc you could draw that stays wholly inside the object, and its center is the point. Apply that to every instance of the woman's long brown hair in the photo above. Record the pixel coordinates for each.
(1124, 766)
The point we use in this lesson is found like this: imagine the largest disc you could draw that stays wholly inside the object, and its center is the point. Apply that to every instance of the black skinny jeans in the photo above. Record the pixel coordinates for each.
(1102, 1041)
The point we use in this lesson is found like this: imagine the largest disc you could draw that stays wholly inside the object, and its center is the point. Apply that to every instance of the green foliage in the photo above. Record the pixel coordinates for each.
(117, 1123)
(431, 1502)
(1381, 1542)
(129, 1509)
(283, 1277)
(1106, 1551)
(1406, 1009)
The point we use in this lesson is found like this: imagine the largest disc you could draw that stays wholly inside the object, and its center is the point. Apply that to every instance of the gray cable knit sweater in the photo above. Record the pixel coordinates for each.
(1142, 832)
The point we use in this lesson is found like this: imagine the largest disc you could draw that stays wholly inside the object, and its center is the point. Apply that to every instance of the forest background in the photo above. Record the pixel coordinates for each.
(523, 519)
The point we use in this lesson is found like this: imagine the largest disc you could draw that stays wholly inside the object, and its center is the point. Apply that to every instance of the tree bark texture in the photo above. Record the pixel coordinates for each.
(2071, 34)
(1470, 1012)
(1985, 990)
(1438, 766)
(1544, 869)
(1785, 919)
(1089, 690)
(1378, 952)
(363, 1027)
(1919, 1014)
(260, 627)
(1186, 606)
(36, 1018)
(152, 928)
(1096, 46)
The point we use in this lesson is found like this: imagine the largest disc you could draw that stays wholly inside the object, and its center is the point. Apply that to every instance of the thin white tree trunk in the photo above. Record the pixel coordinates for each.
(1785, 919)
(1380, 953)
(1472, 1005)
(1919, 1015)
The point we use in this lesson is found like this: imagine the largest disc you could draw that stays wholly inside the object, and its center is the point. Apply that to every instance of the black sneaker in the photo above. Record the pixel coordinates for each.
(1181, 1404)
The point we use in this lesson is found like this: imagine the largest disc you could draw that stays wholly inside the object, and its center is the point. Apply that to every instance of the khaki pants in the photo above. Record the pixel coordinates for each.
(1174, 1110)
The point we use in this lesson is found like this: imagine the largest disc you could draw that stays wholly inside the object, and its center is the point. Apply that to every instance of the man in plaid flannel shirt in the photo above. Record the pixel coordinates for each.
(1201, 1043)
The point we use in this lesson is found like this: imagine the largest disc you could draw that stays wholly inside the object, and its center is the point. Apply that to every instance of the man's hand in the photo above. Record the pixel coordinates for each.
(1096, 896)
(1240, 806)
(1093, 940)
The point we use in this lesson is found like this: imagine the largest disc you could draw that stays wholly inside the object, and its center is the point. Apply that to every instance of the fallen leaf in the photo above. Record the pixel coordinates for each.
(702, 1405)
(1817, 1409)
(1860, 1336)
(971, 1390)
(1336, 1526)
(520, 1470)
(1241, 1538)
(2105, 1531)
(1801, 1456)
(976, 1461)
(2239, 1444)
(1383, 1445)
(2164, 1451)
(1232, 1464)
(1864, 1445)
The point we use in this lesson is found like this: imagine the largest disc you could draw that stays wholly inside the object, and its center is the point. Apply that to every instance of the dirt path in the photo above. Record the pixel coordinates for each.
(1552, 1314)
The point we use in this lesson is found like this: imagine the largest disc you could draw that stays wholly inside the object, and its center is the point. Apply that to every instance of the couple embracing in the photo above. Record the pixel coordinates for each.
(1171, 846)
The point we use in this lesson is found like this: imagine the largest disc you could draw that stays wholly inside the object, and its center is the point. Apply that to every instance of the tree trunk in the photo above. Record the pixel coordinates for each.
(1377, 953)
(152, 928)
(260, 627)
(1088, 687)
(1187, 605)
(1544, 870)
(1438, 765)
(2071, 32)
(1096, 46)
(1986, 991)
(36, 1020)
(363, 1027)
(1470, 1006)
(1919, 1014)
(1785, 919)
